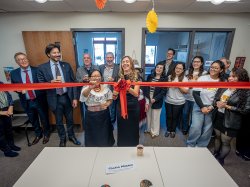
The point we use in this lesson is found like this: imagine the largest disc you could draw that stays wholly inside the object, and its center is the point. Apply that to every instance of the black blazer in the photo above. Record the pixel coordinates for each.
(16, 78)
(170, 68)
(233, 117)
(44, 74)
(159, 92)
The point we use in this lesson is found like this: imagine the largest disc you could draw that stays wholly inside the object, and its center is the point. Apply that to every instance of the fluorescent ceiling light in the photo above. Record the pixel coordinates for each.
(129, 1)
(217, 2)
(41, 1)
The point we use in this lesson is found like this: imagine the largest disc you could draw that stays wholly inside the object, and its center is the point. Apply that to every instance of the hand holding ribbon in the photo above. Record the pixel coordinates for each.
(122, 86)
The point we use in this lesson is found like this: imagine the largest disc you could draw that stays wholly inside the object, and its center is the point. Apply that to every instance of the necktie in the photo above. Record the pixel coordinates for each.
(59, 91)
(30, 92)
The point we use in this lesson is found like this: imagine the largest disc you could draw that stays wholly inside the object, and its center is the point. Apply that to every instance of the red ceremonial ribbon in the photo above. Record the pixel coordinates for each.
(124, 85)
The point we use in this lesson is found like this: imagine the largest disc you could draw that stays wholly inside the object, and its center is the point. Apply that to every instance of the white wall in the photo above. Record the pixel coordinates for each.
(11, 26)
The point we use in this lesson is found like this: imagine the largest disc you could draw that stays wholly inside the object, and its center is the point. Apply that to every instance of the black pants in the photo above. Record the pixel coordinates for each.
(64, 108)
(34, 109)
(6, 135)
(173, 114)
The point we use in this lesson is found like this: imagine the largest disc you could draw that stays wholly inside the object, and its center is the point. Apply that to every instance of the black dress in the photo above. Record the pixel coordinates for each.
(128, 129)
(98, 129)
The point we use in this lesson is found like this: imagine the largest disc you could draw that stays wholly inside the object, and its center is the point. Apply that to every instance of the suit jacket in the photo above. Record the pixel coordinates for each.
(82, 71)
(159, 92)
(16, 78)
(233, 117)
(170, 68)
(115, 71)
(44, 74)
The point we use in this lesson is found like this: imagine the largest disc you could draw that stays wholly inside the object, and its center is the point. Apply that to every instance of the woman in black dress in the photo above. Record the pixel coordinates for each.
(98, 126)
(128, 129)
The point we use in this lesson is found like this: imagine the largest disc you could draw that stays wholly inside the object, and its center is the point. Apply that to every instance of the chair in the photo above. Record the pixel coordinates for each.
(20, 118)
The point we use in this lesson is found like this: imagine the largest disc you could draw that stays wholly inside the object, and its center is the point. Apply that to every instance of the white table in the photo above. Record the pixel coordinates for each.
(163, 166)
(60, 167)
(194, 167)
(146, 167)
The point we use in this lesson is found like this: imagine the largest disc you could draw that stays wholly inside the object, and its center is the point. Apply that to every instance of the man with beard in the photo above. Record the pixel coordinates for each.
(61, 100)
(110, 72)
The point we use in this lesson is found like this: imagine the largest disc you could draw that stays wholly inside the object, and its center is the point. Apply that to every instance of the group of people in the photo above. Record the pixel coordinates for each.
(197, 111)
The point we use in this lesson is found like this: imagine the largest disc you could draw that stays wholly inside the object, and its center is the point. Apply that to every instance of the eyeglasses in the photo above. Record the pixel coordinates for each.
(95, 76)
(179, 69)
(21, 59)
(196, 61)
(214, 68)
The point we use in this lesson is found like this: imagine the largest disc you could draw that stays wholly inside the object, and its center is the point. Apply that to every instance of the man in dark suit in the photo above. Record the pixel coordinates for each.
(33, 102)
(61, 100)
(110, 72)
(169, 63)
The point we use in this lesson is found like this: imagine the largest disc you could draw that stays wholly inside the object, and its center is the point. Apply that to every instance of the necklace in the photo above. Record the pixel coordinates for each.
(97, 89)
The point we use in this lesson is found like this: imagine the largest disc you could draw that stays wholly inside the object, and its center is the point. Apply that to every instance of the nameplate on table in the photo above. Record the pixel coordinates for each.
(117, 167)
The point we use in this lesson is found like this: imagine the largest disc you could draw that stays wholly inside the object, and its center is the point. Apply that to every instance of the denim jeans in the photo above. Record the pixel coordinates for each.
(201, 128)
(187, 115)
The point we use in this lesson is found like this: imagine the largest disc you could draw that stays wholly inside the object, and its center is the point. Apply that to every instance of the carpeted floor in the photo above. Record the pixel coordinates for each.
(12, 168)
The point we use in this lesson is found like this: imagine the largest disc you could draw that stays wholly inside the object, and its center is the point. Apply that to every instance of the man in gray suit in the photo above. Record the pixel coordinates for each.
(82, 73)
(110, 72)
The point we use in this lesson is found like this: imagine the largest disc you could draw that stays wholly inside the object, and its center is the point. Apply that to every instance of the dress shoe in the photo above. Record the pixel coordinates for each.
(45, 139)
(74, 141)
(15, 148)
(10, 153)
(62, 143)
(167, 134)
(172, 134)
(36, 140)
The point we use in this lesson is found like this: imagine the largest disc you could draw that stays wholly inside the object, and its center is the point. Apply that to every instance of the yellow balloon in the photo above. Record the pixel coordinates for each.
(152, 21)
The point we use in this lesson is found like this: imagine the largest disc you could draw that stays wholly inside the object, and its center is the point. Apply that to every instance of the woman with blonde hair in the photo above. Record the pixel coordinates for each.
(128, 128)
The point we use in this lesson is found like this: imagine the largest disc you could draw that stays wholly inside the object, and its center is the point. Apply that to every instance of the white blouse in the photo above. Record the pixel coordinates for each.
(96, 98)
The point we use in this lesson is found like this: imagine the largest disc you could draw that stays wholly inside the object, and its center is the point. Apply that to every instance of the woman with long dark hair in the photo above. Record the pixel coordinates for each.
(230, 105)
(201, 128)
(175, 99)
(98, 126)
(154, 99)
(193, 73)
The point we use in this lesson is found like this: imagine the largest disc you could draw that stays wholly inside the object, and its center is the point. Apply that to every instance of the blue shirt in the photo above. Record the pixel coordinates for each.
(53, 70)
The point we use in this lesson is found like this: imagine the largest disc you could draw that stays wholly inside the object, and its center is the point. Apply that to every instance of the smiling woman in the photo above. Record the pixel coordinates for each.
(128, 128)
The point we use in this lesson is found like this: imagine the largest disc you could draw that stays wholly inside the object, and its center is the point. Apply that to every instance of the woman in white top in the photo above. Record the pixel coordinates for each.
(201, 128)
(195, 71)
(98, 126)
(175, 99)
